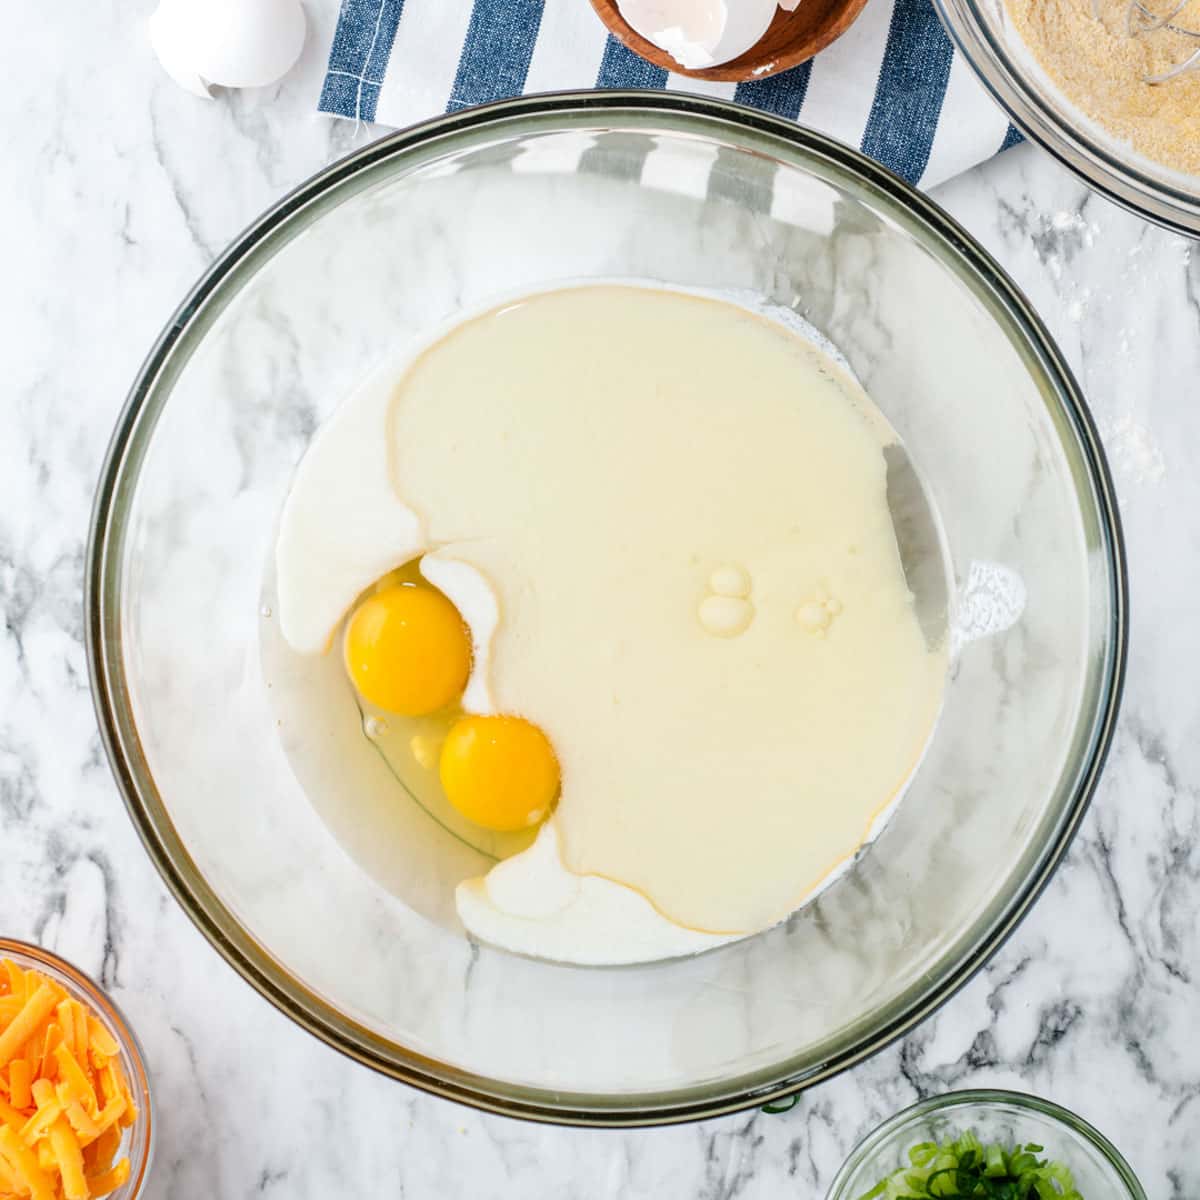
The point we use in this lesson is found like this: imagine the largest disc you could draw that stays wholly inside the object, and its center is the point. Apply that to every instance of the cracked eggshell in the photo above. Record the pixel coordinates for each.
(700, 33)
(229, 43)
(174, 55)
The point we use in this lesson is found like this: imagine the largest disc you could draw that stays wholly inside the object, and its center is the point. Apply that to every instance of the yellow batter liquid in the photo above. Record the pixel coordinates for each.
(682, 508)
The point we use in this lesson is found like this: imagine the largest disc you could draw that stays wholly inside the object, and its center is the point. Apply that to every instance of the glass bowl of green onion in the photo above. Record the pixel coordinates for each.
(989, 1145)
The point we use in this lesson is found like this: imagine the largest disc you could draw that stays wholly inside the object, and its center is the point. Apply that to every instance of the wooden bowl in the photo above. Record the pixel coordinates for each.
(793, 38)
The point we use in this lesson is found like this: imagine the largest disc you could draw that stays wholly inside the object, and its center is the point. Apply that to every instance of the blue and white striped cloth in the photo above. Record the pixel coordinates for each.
(893, 84)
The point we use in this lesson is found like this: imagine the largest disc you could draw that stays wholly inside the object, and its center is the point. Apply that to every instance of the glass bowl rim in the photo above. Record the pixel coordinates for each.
(99, 999)
(252, 960)
(986, 1097)
(1082, 154)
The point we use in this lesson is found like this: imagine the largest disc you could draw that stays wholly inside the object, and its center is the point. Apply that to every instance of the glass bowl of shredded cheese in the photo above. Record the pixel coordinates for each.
(76, 1117)
(1097, 83)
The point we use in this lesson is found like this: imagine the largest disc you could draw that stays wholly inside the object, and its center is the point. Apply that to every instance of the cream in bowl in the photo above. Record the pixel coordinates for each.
(613, 568)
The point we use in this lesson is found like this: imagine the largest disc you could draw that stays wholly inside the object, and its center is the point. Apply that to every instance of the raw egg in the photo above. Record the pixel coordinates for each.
(500, 772)
(407, 650)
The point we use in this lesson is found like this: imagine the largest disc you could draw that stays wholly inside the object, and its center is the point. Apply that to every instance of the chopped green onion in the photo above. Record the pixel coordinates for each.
(993, 1162)
(786, 1104)
(1021, 1162)
(923, 1154)
(964, 1167)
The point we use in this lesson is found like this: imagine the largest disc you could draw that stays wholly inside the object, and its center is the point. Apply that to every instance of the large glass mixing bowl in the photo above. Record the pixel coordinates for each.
(384, 246)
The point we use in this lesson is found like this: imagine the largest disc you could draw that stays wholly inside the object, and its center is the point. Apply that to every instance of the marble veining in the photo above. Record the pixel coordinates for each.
(126, 188)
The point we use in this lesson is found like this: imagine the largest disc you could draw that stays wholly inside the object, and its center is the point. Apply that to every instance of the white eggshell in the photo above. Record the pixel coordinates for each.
(700, 33)
(231, 43)
(170, 45)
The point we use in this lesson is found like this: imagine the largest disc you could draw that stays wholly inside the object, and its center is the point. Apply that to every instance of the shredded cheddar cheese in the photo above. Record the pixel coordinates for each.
(64, 1099)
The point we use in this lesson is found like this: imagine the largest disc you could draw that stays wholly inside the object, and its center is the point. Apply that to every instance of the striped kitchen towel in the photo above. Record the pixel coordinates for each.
(893, 84)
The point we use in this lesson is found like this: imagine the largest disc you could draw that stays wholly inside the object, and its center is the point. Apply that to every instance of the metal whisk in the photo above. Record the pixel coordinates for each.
(1143, 20)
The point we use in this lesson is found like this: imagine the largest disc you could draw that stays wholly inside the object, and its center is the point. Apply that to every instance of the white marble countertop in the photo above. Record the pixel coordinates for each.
(118, 189)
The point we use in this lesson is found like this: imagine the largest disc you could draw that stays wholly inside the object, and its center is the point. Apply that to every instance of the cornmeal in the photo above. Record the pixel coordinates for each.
(1102, 69)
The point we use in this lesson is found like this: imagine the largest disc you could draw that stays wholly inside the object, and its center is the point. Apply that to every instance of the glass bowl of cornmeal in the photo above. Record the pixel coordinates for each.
(1109, 87)
(606, 608)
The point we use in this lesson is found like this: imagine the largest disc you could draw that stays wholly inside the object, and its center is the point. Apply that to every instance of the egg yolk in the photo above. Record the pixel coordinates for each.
(407, 650)
(499, 772)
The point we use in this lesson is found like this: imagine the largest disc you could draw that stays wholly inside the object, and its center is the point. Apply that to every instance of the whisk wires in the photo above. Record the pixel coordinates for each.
(1142, 20)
